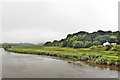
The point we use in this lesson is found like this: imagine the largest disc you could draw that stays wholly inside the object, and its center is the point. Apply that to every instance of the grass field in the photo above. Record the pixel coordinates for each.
(109, 58)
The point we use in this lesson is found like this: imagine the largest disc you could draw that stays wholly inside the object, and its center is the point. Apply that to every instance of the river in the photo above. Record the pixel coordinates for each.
(37, 66)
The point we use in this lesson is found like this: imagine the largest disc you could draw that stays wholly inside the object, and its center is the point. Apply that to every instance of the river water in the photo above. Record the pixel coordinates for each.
(37, 66)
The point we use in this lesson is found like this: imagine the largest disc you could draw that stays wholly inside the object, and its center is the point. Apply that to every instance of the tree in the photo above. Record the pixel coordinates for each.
(87, 44)
(87, 39)
(55, 43)
(6, 46)
(48, 44)
(78, 44)
(118, 37)
(96, 43)
(100, 32)
(64, 44)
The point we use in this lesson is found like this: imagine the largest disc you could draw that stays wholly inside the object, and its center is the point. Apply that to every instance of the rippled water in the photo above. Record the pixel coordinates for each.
(36, 66)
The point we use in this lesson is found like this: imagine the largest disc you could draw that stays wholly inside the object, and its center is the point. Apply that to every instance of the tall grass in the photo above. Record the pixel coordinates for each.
(82, 54)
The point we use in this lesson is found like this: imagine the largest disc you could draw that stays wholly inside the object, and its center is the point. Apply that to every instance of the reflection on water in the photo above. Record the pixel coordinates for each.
(36, 66)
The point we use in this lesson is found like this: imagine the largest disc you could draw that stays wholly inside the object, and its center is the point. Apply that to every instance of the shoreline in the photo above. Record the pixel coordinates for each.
(75, 61)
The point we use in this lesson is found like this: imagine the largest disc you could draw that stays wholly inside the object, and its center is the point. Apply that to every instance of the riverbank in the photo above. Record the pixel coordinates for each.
(91, 57)
(39, 66)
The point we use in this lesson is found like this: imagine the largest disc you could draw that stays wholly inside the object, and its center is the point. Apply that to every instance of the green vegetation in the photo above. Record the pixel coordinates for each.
(84, 39)
(81, 46)
(6, 46)
(95, 54)
(106, 48)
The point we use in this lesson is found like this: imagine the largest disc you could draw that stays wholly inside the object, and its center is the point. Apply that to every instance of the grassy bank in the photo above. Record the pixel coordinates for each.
(109, 58)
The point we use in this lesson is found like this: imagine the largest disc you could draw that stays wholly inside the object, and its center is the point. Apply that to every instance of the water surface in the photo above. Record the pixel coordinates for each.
(37, 66)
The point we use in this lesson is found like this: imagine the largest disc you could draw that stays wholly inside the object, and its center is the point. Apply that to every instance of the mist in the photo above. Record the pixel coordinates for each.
(36, 21)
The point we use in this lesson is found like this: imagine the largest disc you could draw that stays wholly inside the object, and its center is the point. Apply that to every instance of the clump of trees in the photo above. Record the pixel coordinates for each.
(84, 39)
(6, 46)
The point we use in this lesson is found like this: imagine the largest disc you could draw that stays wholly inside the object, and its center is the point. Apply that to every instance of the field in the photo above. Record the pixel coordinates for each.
(109, 58)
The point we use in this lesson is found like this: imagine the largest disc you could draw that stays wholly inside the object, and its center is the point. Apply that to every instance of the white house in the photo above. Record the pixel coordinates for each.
(106, 43)
(113, 43)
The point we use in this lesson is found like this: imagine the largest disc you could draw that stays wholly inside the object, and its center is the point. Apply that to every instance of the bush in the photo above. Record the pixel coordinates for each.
(115, 48)
(108, 47)
(99, 47)
(93, 47)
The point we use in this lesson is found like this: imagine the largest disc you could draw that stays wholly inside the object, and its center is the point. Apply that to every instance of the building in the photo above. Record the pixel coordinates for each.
(106, 43)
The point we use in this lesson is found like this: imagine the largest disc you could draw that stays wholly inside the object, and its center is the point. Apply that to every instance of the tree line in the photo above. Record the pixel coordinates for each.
(85, 39)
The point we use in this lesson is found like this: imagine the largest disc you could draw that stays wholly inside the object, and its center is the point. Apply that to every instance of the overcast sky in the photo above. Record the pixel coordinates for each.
(46, 20)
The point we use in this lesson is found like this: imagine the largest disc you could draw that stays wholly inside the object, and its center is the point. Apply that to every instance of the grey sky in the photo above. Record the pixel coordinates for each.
(47, 20)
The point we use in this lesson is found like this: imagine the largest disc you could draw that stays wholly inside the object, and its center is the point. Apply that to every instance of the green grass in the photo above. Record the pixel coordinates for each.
(81, 54)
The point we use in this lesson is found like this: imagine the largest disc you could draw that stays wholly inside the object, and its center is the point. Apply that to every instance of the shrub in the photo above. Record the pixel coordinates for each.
(108, 47)
(99, 47)
(115, 48)
(93, 47)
